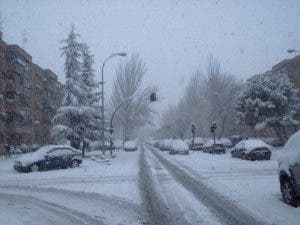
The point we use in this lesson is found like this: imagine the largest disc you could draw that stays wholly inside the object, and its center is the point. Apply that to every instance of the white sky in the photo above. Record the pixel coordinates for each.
(174, 37)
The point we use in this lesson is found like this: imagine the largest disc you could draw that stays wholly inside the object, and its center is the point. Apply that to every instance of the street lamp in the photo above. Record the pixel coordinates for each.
(122, 54)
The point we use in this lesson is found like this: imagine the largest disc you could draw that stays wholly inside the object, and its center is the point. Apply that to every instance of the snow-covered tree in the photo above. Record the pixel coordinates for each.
(269, 100)
(76, 120)
(89, 86)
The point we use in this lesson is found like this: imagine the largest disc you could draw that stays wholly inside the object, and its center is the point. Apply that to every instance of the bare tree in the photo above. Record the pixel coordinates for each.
(135, 112)
(207, 98)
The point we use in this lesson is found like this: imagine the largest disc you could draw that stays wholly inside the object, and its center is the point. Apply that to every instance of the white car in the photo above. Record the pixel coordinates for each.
(130, 146)
(252, 149)
(289, 171)
(179, 147)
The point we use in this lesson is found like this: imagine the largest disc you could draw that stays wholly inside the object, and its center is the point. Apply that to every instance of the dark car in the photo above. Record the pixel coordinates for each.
(214, 148)
(289, 171)
(48, 158)
(277, 143)
(237, 138)
(197, 145)
(252, 149)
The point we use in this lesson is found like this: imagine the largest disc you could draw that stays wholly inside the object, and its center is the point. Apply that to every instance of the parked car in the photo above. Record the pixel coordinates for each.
(217, 148)
(237, 138)
(49, 157)
(166, 145)
(289, 171)
(277, 143)
(252, 149)
(198, 144)
(226, 142)
(130, 146)
(179, 147)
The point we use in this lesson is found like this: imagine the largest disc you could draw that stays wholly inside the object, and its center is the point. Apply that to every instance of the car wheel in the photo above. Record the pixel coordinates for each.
(34, 168)
(288, 193)
(74, 164)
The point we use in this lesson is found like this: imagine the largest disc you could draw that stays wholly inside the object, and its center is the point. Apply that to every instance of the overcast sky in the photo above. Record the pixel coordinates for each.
(174, 37)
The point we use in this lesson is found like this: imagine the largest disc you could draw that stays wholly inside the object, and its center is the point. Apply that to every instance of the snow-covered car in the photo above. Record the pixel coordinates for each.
(237, 138)
(130, 146)
(214, 148)
(252, 149)
(179, 147)
(15, 150)
(49, 157)
(166, 145)
(197, 145)
(226, 142)
(289, 171)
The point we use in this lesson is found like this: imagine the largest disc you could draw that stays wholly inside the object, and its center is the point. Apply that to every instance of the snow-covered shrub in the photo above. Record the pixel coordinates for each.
(269, 100)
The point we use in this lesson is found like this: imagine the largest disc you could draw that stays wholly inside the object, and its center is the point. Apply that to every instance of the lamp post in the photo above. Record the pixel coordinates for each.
(102, 96)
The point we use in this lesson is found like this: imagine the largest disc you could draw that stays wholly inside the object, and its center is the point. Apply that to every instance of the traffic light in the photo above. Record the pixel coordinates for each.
(213, 127)
(152, 97)
(193, 129)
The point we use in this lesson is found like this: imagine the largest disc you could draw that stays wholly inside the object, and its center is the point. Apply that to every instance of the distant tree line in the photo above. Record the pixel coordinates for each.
(268, 101)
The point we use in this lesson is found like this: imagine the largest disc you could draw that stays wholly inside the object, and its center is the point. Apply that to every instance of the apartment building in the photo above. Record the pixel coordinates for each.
(291, 67)
(29, 97)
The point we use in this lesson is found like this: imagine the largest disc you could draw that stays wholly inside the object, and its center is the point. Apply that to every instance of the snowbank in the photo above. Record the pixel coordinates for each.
(291, 151)
(179, 145)
(252, 144)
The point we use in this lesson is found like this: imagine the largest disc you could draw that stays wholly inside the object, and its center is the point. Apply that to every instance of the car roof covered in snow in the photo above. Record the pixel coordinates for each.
(179, 145)
(210, 143)
(291, 150)
(40, 154)
(130, 144)
(252, 144)
(198, 140)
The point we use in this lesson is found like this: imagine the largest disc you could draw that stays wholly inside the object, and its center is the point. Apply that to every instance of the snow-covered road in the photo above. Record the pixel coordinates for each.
(147, 187)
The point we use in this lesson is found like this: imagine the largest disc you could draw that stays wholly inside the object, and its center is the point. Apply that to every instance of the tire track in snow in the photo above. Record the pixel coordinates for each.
(157, 212)
(53, 213)
(228, 212)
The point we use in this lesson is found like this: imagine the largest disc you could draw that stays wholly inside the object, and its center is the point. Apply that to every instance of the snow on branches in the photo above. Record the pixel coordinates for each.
(77, 118)
(269, 99)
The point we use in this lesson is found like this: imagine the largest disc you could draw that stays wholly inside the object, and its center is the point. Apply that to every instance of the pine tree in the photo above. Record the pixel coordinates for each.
(90, 86)
(75, 120)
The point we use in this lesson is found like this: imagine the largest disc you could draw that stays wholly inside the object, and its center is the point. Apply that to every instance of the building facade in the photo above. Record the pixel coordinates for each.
(29, 97)
(291, 67)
